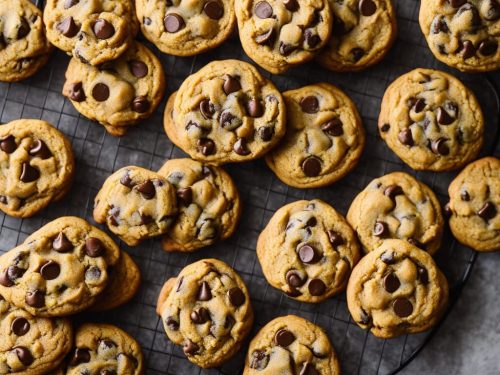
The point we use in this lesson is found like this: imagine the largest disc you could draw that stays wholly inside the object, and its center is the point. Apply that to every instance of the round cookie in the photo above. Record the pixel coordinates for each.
(209, 205)
(59, 270)
(397, 289)
(279, 34)
(291, 345)
(226, 112)
(31, 345)
(363, 32)
(92, 31)
(474, 206)
(463, 34)
(24, 49)
(36, 166)
(307, 250)
(119, 93)
(431, 121)
(324, 138)
(186, 28)
(207, 310)
(105, 349)
(397, 206)
(136, 204)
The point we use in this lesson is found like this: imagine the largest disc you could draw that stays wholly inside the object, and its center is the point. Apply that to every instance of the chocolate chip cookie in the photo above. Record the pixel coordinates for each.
(119, 93)
(324, 138)
(31, 345)
(475, 204)
(186, 28)
(463, 34)
(209, 205)
(59, 270)
(279, 34)
(397, 206)
(105, 349)
(291, 345)
(24, 49)
(36, 166)
(363, 32)
(226, 112)
(397, 289)
(431, 120)
(308, 250)
(92, 31)
(207, 310)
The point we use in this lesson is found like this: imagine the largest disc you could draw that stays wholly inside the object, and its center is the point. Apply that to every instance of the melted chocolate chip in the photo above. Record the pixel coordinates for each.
(204, 293)
(236, 296)
(493, 12)
(294, 280)
(423, 275)
(240, 147)
(35, 298)
(488, 47)
(267, 38)
(309, 104)
(24, 29)
(40, 150)
(80, 356)
(93, 273)
(309, 369)
(367, 7)
(335, 238)
(357, 54)
(402, 307)
(265, 133)
(311, 166)
(419, 105)
(207, 109)
(405, 137)
(24, 355)
(69, 3)
(387, 257)
(381, 229)
(4, 278)
(29, 173)
(467, 49)
(146, 189)
(286, 49)
(255, 108)
(61, 244)
(68, 27)
(259, 360)
(213, 9)
(308, 254)
(333, 127)
(464, 195)
(190, 347)
(385, 128)
(76, 92)
(447, 210)
(172, 323)
(263, 10)
(443, 117)
(173, 22)
(439, 147)
(100, 92)
(3, 199)
(20, 326)
(125, 180)
(365, 318)
(488, 211)
(311, 39)
(457, 3)
(94, 247)
(284, 338)
(231, 84)
(138, 68)
(291, 5)
(103, 29)
(50, 270)
(140, 104)
(200, 316)
(391, 283)
(316, 287)
(185, 196)
(8, 144)
(146, 219)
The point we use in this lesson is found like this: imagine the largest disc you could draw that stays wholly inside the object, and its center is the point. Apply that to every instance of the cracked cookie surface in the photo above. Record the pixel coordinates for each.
(59, 270)
(324, 137)
(119, 93)
(207, 310)
(291, 345)
(36, 166)
(280, 34)
(475, 205)
(363, 32)
(226, 112)
(397, 206)
(463, 34)
(431, 120)
(136, 204)
(308, 250)
(209, 205)
(186, 28)
(397, 289)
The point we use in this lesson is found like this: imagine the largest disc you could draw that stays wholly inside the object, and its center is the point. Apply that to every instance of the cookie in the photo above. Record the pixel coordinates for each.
(105, 349)
(307, 250)
(363, 32)
(92, 31)
(324, 138)
(291, 345)
(207, 310)
(397, 289)
(186, 28)
(474, 206)
(397, 206)
(31, 345)
(280, 34)
(59, 270)
(463, 34)
(123, 284)
(119, 93)
(36, 166)
(24, 49)
(226, 112)
(209, 205)
(136, 204)
(431, 121)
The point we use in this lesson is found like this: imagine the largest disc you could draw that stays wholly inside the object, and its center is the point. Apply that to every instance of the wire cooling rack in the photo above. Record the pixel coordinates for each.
(98, 154)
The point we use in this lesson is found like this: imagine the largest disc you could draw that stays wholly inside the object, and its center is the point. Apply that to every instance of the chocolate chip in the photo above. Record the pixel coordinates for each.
(392, 191)
(443, 117)
(263, 9)
(147, 189)
(439, 25)
(24, 355)
(447, 210)
(259, 360)
(240, 147)
(308, 254)
(309, 369)
(207, 109)
(255, 108)
(61, 244)
(294, 280)
(204, 293)
(35, 298)
(40, 149)
(286, 49)
(357, 54)
(108, 344)
(190, 347)
(335, 238)
(8, 144)
(367, 7)
(475, 18)
(284, 338)
(365, 318)
(488, 47)
(402, 307)
(457, 3)
(291, 5)
(201, 316)
(69, 3)
(94, 247)
(100, 92)
(80, 356)
(172, 323)
(20, 326)
(265, 133)
(311, 39)
(68, 27)
(439, 147)
(333, 127)
(413, 241)
(236, 296)
(493, 12)
(140, 104)
(267, 38)
(316, 287)
(103, 29)
(138, 68)
(173, 22)
(405, 137)
(231, 84)
(146, 219)
(214, 10)
(93, 273)
(464, 195)
(15, 272)
(467, 49)
(311, 222)
(391, 283)
(309, 104)
(488, 211)
(23, 30)
(423, 275)
(229, 322)
(50, 270)
(419, 105)
(29, 173)
(387, 257)
(206, 146)
(206, 171)
(311, 166)
(107, 372)
(76, 92)
(4, 279)
(381, 229)
(3, 199)
(146, 21)
(228, 121)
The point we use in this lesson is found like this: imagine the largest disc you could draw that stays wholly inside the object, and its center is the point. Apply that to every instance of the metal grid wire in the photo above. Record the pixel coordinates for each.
(98, 154)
